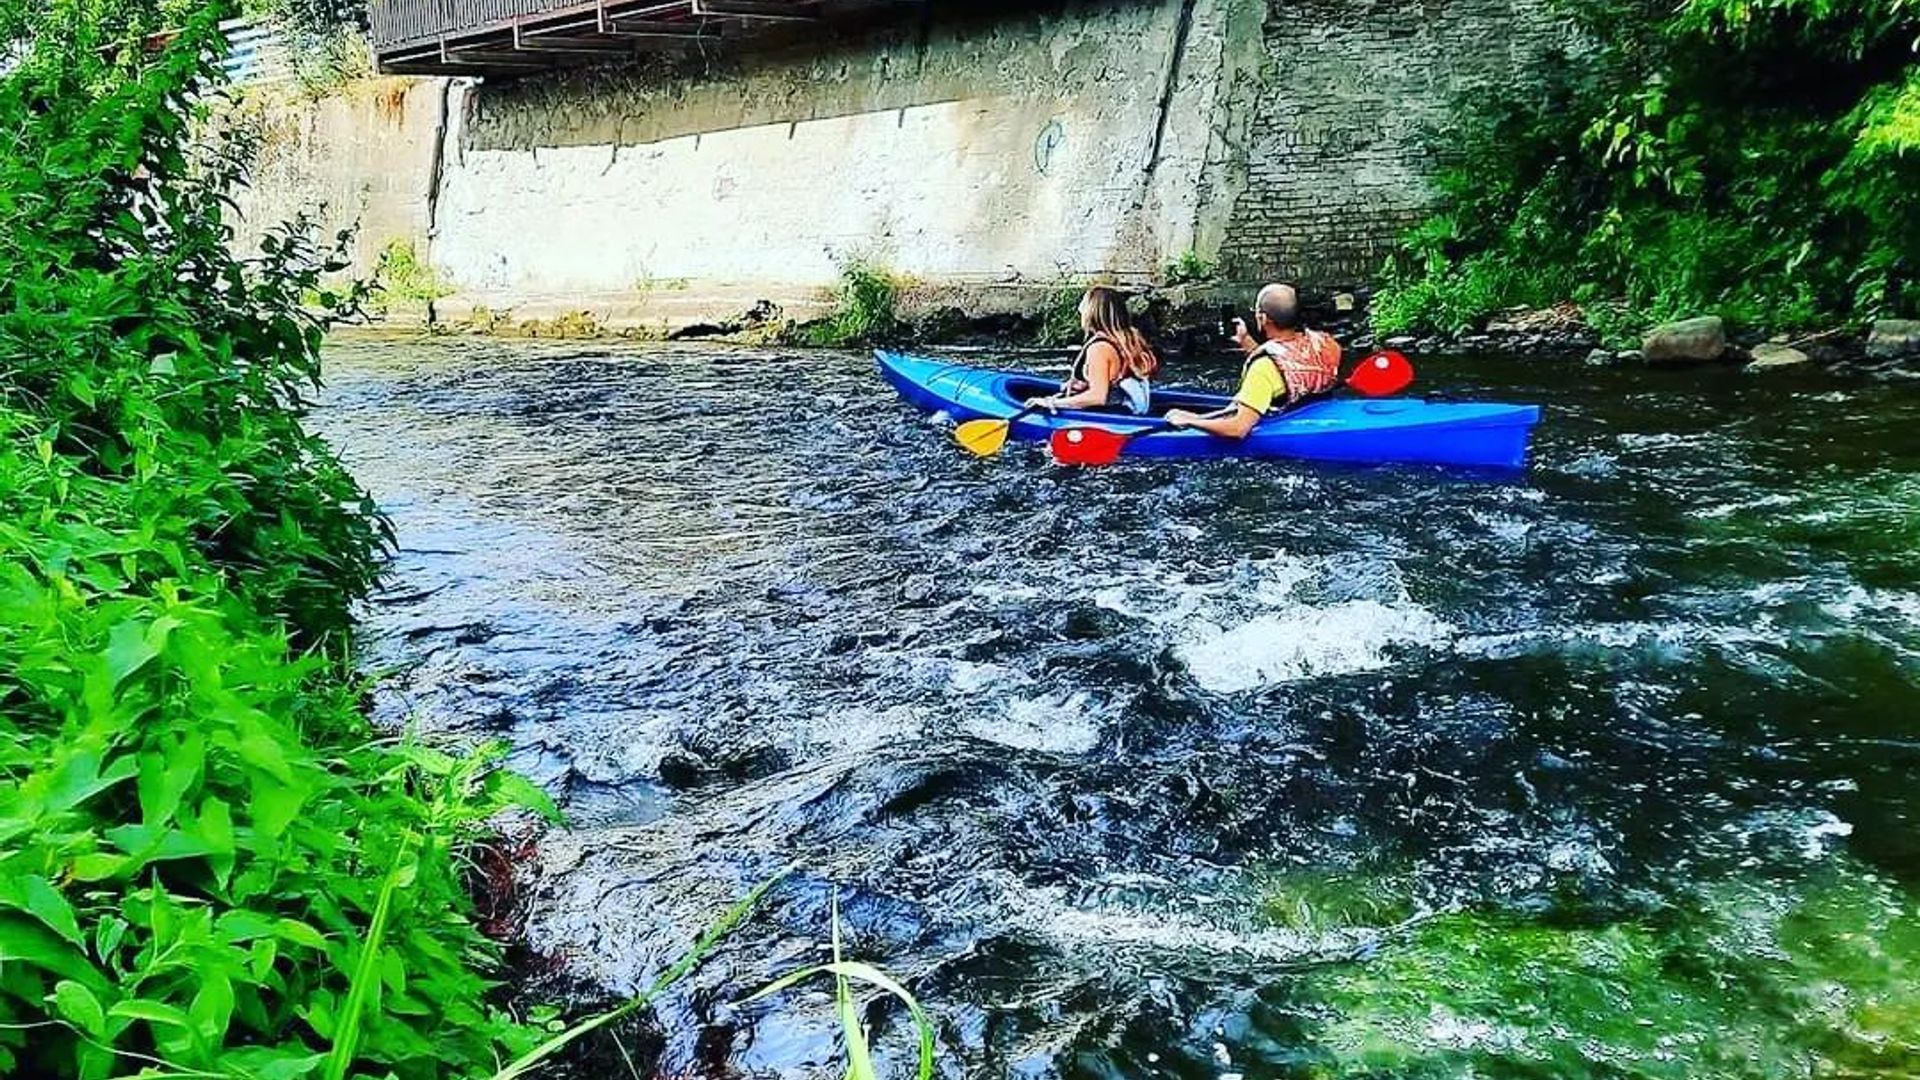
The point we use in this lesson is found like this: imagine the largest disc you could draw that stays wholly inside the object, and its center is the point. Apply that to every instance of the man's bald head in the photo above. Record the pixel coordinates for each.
(1281, 305)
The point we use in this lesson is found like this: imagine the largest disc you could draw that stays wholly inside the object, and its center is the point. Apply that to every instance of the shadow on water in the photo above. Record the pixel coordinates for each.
(1182, 770)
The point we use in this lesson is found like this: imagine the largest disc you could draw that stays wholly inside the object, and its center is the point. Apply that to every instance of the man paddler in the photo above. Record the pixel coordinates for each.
(1286, 363)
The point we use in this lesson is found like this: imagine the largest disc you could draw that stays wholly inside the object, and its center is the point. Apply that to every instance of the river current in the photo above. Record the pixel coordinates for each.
(1204, 769)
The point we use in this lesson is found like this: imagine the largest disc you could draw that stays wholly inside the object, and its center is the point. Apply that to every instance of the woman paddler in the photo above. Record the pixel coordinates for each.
(1115, 367)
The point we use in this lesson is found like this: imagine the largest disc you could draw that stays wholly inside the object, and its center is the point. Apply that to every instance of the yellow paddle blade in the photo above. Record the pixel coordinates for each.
(983, 438)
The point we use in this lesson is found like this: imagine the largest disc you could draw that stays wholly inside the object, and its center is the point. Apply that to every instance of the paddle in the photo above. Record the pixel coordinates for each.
(984, 438)
(1383, 374)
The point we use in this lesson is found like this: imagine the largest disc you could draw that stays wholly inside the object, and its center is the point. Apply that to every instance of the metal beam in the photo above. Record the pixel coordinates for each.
(525, 40)
(490, 58)
(676, 31)
(758, 9)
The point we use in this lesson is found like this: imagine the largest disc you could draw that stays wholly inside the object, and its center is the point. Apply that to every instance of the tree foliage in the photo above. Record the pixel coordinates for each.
(201, 835)
(1752, 158)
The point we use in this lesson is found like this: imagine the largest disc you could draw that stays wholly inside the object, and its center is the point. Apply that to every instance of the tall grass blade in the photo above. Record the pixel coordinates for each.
(346, 1037)
(737, 914)
(859, 1054)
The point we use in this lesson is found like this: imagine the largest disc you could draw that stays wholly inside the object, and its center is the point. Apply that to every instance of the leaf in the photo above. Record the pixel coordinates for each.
(80, 778)
(364, 983)
(212, 1007)
(514, 790)
(108, 932)
(127, 651)
(265, 753)
(215, 830)
(44, 902)
(240, 924)
(300, 933)
(97, 866)
(274, 806)
(31, 943)
(153, 1012)
(77, 1004)
(261, 958)
(165, 778)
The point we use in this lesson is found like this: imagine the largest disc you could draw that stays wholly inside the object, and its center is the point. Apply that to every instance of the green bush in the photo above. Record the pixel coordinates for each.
(402, 275)
(1188, 268)
(1060, 317)
(864, 307)
(1753, 160)
(210, 865)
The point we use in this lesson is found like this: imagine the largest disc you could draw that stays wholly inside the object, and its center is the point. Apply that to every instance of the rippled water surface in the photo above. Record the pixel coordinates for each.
(1187, 770)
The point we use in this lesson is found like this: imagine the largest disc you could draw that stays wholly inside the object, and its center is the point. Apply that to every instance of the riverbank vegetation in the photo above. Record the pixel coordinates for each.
(865, 307)
(212, 865)
(1756, 159)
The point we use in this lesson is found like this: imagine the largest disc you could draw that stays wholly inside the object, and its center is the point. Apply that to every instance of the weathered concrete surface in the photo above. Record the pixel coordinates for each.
(362, 158)
(988, 147)
(1027, 145)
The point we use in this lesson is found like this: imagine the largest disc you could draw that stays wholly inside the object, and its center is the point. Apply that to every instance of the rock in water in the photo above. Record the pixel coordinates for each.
(1599, 357)
(1894, 339)
(1771, 355)
(1688, 341)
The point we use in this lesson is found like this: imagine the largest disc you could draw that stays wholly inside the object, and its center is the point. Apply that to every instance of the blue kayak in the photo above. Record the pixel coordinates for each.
(1340, 429)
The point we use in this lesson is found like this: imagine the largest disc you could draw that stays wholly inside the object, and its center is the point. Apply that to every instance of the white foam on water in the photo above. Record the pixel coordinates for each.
(968, 677)
(1816, 837)
(1106, 930)
(867, 729)
(1660, 440)
(1057, 725)
(1253, 628)
(1307, 642)
(1594, 466)
(1675, 638)
(1726, 510)
(1505, 527)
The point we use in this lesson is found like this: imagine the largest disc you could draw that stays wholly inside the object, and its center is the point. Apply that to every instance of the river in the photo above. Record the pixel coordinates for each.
(1189, 770)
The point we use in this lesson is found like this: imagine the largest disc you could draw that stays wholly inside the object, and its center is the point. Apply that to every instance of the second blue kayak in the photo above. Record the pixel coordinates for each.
(1483, 435)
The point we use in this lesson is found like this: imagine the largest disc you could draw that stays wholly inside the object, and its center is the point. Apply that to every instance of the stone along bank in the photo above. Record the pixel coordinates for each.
(1000, 149)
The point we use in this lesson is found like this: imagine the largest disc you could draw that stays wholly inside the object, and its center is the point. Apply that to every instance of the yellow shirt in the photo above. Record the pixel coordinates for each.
(1290, 368)
(1261, 386)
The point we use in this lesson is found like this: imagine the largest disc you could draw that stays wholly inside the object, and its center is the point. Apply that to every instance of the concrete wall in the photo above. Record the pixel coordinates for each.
(1025, 143)
(362, 158)
(986, 147)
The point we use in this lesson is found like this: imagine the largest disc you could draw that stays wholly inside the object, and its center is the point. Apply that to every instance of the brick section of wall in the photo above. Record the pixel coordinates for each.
(1349, 98)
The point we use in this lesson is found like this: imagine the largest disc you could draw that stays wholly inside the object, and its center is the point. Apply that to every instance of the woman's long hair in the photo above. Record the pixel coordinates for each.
(1104, 313)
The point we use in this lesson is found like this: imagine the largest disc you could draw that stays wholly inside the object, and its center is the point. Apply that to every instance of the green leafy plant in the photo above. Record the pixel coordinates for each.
(212, 865)
(1060, 317)
(401, 275)
(1754, 160)
(1189, 268)
(864, 307)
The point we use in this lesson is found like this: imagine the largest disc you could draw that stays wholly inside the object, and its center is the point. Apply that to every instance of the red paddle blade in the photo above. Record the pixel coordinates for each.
(1086, 446)
(1382, 375)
